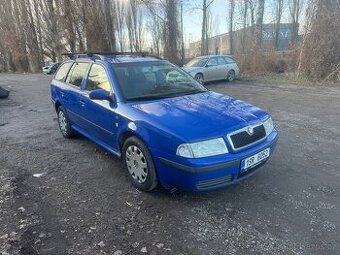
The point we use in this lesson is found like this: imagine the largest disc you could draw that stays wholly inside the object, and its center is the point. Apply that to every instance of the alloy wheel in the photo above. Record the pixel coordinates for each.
(199, 78)
(231, 75)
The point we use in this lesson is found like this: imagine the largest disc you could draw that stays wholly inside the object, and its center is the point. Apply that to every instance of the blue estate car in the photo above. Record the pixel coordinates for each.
(167, 128)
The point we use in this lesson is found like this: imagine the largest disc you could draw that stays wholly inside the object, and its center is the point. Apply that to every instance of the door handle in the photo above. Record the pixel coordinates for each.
(82, 103)
(62, 93)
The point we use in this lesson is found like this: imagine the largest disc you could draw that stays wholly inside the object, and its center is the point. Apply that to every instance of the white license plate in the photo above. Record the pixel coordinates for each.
(254, 160)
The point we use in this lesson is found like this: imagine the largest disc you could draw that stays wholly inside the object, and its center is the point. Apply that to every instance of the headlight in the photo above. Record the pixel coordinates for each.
(202, 149)
(268, 125)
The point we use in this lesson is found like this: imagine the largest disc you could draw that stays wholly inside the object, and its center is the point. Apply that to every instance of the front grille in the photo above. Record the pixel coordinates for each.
(243, 139)
(214, 182)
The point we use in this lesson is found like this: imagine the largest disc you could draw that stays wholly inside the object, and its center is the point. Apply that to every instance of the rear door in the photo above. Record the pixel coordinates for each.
(102, 120)
(231, 64)
(72, 92)
(222, 68)
(58, 86)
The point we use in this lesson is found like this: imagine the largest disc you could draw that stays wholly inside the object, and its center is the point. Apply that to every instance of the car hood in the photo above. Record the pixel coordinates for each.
(200, 116)
(191, 69)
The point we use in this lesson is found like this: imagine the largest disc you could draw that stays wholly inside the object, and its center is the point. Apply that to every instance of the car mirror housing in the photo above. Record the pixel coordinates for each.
(101, 94)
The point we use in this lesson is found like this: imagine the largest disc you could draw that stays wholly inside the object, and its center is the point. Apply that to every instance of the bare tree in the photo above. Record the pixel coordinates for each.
(109, 8)
(171, 31)
(278, 17)
(204, 37)
(252, 7)
(135, 27)
(244, 6)
(295, 8)
(320, 53)
(120, 21)
(231, 25)
(259, 23)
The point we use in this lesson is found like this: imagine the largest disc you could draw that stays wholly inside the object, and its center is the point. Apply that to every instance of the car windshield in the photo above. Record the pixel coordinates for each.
(197, 62)
(152, 80)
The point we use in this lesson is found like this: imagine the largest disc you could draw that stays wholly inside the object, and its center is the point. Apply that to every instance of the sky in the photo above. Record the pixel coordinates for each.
(219, 11)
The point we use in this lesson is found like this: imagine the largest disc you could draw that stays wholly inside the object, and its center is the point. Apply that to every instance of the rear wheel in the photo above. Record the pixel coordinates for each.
(64, 123)
(231, 75)
(199, 77)
(138, 161)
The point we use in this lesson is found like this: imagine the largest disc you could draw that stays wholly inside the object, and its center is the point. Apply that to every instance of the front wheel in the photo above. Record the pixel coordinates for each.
(231, 75)
(199, 77)
(138, 161)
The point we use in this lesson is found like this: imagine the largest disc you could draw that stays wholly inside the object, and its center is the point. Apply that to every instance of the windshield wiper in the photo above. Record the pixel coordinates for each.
(168, 95)
(148, 97)
(190, 92)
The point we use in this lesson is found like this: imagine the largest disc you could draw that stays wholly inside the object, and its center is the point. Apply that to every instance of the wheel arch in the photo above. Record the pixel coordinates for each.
(125, 135)
(201, 73)
(57, 105)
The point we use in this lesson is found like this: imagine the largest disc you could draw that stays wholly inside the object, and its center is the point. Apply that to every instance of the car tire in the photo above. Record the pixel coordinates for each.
(138, 161)
(64, 123)
(199, 77)
(231, 75)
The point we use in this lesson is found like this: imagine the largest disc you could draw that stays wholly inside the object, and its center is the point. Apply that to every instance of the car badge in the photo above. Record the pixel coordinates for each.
(250, 131)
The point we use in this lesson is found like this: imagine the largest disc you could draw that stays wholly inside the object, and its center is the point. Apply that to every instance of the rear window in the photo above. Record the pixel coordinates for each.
(62, 72)
(77, 73)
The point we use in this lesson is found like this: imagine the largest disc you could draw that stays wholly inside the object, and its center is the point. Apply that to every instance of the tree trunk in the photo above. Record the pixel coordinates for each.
(279, 9)
(259, 23)
(110, 24)
(204, 27)
(231, 25)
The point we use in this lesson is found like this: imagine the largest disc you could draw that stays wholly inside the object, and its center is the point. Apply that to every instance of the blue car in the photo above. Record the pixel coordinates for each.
(168, 129)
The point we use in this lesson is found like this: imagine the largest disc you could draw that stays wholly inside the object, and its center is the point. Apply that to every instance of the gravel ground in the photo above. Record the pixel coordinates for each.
(60, 196)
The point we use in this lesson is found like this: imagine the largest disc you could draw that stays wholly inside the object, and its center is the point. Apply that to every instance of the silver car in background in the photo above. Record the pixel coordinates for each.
(212, 68)
(51, 68)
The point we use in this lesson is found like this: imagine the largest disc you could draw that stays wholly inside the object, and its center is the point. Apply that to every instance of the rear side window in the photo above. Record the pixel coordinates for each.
(77, 73)
(62, 72)
(98, 79)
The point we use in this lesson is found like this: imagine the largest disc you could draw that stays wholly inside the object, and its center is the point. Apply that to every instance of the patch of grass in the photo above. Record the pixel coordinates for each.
(284, 79)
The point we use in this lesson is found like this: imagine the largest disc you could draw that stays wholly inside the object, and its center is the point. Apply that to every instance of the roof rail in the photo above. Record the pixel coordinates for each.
(102, 55)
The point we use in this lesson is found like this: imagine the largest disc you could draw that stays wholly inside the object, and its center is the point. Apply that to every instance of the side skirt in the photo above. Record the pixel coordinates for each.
(97, 141)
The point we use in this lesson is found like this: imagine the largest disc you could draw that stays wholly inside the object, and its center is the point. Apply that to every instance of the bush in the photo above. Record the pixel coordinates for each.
(262, 62)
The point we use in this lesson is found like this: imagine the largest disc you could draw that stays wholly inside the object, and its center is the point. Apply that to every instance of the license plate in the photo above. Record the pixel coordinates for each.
(254, 160)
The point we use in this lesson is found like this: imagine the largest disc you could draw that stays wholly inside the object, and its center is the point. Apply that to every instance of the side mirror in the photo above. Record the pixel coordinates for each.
(101, 94)
(208, 65)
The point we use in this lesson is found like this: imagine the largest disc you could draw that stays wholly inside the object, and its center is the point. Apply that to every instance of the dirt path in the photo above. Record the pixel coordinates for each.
(61, 196)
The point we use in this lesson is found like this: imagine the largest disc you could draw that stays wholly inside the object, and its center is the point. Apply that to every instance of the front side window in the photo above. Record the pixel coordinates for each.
(212, 62)
(229, 60)
(62, 72)
(152, 80)
(97, 79)
(77, 73)
(221, 61)
(197, 62)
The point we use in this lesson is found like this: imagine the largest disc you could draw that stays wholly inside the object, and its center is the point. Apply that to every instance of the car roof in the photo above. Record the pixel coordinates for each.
(210, 56)
(115, 58)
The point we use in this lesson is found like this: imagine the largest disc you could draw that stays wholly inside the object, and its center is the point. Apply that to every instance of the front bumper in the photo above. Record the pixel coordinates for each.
(211, 172)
